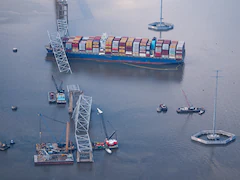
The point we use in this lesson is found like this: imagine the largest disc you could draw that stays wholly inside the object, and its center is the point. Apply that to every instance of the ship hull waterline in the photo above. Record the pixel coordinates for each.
(120, 59)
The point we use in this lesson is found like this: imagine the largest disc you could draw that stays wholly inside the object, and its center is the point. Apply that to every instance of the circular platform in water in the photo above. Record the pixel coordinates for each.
(208, 137)
(156, 26)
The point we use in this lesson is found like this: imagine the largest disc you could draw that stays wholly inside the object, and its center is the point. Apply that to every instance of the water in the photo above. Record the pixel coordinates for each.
(151, 145)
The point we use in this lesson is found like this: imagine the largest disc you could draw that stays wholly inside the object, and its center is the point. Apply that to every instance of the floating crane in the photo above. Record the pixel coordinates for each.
(109, 143)
(60, 95)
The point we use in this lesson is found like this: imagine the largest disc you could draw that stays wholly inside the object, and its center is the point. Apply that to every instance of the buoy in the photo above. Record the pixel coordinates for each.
(14, 49)
(14, 108)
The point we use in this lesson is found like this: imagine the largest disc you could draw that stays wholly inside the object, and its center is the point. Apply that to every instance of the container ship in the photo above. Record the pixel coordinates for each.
(123, 49)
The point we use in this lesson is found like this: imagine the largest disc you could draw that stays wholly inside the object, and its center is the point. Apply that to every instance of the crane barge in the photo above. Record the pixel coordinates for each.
(60, 95)
(109, 142)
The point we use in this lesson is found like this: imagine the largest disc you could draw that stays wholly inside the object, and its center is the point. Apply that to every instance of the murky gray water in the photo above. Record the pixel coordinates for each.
(151, 145)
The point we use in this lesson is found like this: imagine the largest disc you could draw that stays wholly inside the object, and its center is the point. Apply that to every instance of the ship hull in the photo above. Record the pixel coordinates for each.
(120, 59)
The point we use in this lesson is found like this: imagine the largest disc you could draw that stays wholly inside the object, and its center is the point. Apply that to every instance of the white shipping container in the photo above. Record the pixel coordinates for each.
(142, 54)
(136, 47)
(172, 57)
(180, 45)
(165, 47)
(82, 45)
(115, 43)
(158, 49)
(164, 56)
(95, 50)
(85, 38)
(178, 52)
(129, 52)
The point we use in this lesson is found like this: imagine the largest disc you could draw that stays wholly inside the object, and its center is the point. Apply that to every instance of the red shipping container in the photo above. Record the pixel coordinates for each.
(165, 52)
(157, 54)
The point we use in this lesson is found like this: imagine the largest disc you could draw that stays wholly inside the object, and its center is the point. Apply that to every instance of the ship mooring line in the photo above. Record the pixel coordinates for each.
(157, 69)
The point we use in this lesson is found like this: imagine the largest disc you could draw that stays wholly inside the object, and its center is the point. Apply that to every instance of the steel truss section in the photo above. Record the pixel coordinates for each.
(62, 27)
(81, 116)
(62, 9)
(59, 52)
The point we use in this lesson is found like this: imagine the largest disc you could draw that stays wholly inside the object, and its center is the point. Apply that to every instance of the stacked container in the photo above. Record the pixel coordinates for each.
(115, 44)
(122, 45)
(158, 48)
(96, 44)
(148, 48)
(75, 43)
(129, 46)
(82, 44)
(108, 46)
(180, 50)
(69, 45)
(136, 45)
(89, 43)
(165, 48)
(172, 50)
(143, 47)
(64, 41)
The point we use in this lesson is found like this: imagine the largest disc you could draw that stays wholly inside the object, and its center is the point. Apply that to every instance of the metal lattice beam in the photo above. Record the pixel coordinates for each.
(81, 116)
(62, 27)
(59, 52)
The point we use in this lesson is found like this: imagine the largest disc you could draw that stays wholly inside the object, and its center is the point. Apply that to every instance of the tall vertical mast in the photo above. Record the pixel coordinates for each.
(161, 12)
(215, 105)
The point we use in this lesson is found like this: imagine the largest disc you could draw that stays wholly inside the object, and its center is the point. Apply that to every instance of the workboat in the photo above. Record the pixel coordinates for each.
(3, 146)
(111, 144)
(188, 110)
(51, 97)
(162, 107)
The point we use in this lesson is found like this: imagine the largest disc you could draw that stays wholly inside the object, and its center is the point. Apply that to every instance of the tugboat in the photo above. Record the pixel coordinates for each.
(3, 146)
(162, 107)
(52, 97)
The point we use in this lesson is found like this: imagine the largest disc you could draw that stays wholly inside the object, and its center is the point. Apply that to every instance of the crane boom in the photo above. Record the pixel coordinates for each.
(58, 90)
(186, 98)
(103, 123)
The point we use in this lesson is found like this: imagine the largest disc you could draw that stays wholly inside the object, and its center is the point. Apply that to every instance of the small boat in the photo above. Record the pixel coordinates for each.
(15, 50)
(162, 107)
(188, 110)
(14, 108)
(202, 111)
(51, 97)
(98, 145)
(4, 146)
(12, 142)
(111, 143)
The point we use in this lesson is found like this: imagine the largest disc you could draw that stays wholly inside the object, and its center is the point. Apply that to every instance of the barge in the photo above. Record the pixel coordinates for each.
(123, 49)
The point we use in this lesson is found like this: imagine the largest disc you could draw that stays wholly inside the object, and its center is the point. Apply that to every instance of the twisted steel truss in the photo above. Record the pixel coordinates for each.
(59, 52)
(81, 117)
